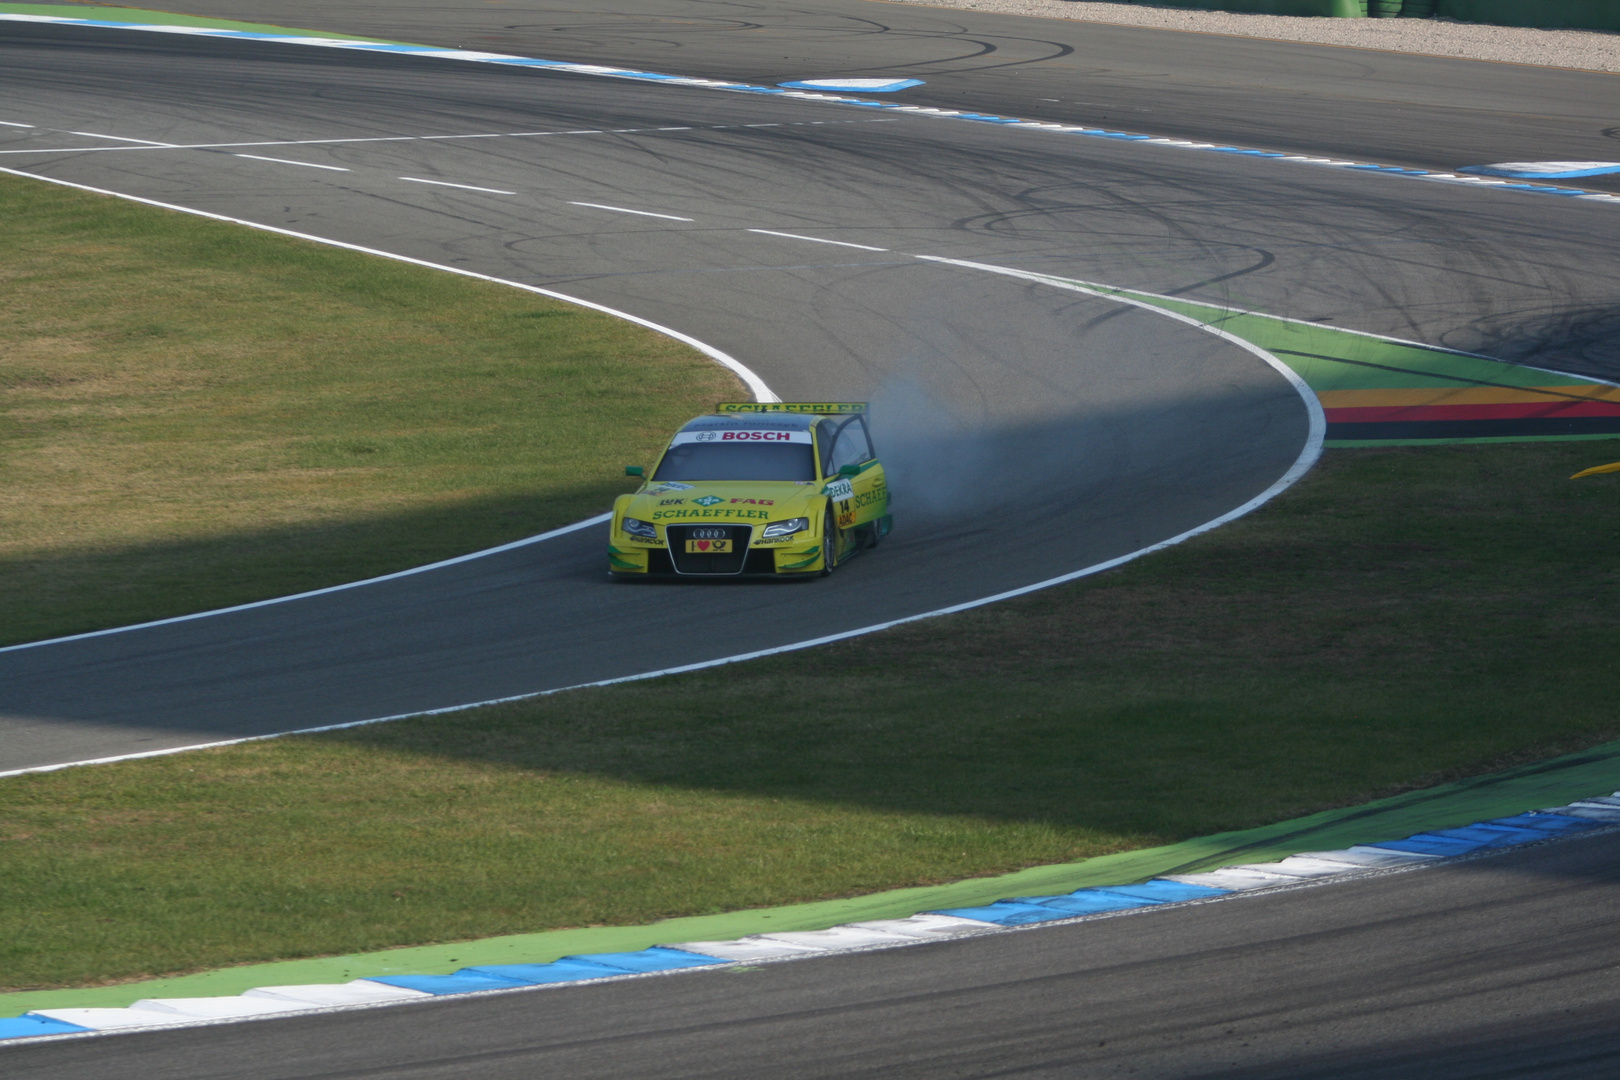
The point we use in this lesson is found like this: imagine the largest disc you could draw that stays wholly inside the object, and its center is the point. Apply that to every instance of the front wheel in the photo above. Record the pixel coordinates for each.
(829, 545)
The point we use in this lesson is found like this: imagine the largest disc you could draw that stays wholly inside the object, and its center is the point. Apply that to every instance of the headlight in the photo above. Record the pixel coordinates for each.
(786, 528)
(637, 527)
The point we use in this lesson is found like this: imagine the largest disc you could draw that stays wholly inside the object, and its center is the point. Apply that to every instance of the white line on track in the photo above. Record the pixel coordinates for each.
(285, 161)
(1313, 405)
(122, 138)
(463, 187)
(1302, 464)
(1229, 311)
(816, 239)
(755, 384)
(147, 144)
(626, 210)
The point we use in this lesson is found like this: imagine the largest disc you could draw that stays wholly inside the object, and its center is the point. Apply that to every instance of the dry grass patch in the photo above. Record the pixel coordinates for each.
(193, 414)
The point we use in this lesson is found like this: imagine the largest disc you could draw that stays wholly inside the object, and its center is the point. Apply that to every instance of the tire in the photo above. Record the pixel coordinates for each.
(829, 544)
(874, 532)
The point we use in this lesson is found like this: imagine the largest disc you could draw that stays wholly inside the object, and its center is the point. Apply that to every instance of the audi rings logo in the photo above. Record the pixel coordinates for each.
(707, 436)
(708, 534)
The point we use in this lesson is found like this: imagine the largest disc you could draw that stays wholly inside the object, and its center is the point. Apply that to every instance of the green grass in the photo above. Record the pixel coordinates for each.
(1399, 618)
(193, 414)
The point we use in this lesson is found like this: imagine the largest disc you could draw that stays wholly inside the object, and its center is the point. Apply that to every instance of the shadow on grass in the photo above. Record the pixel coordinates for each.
(1138, 752)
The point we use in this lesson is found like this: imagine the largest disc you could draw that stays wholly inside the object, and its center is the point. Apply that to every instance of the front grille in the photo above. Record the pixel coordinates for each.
(696, 562)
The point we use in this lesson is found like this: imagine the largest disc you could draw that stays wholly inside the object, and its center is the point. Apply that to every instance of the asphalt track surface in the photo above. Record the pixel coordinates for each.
(1487, 969)
(1495, 967)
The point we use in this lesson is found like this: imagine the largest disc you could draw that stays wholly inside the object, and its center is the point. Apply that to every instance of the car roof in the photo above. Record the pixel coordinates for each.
(755, 422)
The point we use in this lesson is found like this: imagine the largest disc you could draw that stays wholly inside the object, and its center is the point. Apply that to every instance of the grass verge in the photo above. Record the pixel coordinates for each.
(194, 414)
(1399, 618)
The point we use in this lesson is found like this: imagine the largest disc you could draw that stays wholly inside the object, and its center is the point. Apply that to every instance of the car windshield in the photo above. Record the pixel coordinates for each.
(737, 461)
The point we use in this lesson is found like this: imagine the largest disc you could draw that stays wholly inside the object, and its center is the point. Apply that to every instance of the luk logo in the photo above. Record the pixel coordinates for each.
(708, 500)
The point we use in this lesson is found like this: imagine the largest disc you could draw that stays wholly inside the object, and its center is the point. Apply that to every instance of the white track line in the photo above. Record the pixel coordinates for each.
(226, 145)
(325, 727)
(525, 542)
(626, 210)
(816, 239)
(463, 187)
(146, 144)
(755, 384)
(1302, 464)
(1230, 311)
(123, 138)
(1313, 405)
(285, 161)
(1307, 457)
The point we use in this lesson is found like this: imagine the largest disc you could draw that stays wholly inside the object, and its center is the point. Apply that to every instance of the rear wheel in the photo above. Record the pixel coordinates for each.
(876, 531)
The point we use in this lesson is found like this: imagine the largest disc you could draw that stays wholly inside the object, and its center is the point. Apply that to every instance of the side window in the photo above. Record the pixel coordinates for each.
(851, 447)
(826, 435)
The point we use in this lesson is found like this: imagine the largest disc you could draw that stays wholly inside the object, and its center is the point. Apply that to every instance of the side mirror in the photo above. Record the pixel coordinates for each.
(633, 470)
(850, 470)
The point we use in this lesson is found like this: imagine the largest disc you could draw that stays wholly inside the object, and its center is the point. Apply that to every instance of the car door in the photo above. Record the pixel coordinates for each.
(867, 496)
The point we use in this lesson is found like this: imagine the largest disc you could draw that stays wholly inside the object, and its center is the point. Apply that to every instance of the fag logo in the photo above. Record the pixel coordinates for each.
(709, 500)
(756, 502)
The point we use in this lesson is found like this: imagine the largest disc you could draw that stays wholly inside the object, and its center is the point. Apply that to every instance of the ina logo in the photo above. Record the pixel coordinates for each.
(708, 500)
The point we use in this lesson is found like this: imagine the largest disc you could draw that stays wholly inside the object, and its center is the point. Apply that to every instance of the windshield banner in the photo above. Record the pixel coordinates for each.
(743, 435)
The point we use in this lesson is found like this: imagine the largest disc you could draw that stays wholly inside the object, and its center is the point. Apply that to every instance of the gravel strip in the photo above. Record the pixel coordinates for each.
(1591, 50)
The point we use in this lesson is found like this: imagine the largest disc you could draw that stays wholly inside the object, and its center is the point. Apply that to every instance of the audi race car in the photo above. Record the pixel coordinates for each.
(779, 489)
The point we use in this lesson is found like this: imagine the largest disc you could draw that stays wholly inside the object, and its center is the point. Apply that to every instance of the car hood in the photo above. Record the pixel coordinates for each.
(723, 501)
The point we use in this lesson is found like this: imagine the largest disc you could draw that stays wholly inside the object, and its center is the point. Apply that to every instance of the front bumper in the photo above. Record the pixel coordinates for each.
(631, 558)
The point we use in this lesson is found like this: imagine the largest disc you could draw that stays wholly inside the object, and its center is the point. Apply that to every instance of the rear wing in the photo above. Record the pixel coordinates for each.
(825, 408)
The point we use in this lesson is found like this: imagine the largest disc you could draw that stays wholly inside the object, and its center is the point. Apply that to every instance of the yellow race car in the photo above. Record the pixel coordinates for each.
(779, 490)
